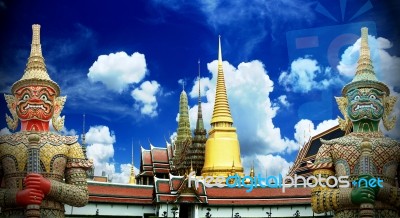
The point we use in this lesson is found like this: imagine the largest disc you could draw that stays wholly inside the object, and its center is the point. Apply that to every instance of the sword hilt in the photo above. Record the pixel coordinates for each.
(33, 210)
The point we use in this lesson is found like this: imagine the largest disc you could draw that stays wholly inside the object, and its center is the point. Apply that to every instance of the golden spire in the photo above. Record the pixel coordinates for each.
(221, 113)
(132, 179)
(252, 170)
(222, 138)
(35, 71)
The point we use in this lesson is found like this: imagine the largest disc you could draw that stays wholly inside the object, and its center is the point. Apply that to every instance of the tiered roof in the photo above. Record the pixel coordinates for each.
(309, 151)
(120, 193)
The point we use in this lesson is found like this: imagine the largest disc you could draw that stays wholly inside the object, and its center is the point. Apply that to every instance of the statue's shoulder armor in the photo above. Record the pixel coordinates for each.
(355, 139)
(344, 140)
(45, 138)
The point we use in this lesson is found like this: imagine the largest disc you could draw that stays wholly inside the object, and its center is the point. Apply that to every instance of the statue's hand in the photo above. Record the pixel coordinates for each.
(29, 196)
(362, 195)
(37, 181)
(368, 177)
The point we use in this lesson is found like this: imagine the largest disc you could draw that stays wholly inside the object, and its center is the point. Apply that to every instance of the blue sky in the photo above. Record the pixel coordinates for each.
(123, 63)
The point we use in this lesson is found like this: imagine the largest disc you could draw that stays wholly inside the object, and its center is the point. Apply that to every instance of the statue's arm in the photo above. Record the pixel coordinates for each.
(74, 191)
(390, 193)
(7, 196)
(324, 199)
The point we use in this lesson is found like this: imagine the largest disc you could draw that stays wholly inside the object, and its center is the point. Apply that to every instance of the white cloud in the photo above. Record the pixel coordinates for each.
(5, 131)
(271, 165)
(305, 75)
(145, 97)
(305, 129)
(118, 70)
(100, 134)
(204, 86)
(283, 101)
(123, 176)
(172, 137)
(248, 87)
(100, 149)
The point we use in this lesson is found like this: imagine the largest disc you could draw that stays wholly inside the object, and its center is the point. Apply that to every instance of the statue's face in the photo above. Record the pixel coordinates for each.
(365, 103)
(35, 102)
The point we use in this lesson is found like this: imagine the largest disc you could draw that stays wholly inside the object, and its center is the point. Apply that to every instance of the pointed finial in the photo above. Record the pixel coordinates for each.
(132, 152)
(219, 51)
(83, 130)
(132, 179)
(36, 49)
(84, 137)
(199, 80)
(252, 171)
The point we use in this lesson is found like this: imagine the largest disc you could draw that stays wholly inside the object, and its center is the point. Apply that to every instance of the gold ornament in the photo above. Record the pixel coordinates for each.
(345, 123)
(12, 122)
(58, 122)
(388, 104)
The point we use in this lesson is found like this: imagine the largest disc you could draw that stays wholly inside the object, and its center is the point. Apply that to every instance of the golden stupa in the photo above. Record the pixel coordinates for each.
(222, 146)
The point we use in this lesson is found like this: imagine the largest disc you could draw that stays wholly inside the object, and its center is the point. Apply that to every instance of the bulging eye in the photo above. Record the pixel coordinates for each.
(357, 97)
(43, 98)
(26, 97)
(372, 97)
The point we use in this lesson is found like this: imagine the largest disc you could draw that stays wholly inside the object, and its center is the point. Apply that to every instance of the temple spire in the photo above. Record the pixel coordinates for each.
(183, 131)
(132, 179)
(83, 137)
(221, 113)
(196, 151)
(184, 135)
(199, 123)
(222, 146)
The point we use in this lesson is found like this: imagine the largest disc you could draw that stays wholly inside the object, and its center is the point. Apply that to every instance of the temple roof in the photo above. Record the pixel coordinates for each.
(175, 189)
(309, 151)
(120, 193)
(155, 160)
(159, 155)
